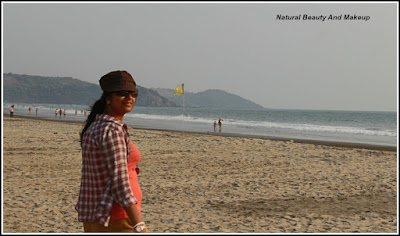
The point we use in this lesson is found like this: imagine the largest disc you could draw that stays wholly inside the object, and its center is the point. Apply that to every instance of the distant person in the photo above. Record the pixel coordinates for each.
(76, 113)
(86, 113)
(56, 112)
(215, 126)
(220, 124)
(60, 112)
(37, 109)
(29, 110)
(110, 195)
(12, 111)
(65, 112)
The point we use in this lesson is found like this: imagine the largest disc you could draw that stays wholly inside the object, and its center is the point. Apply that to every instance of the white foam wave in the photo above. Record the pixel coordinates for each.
(319, 128)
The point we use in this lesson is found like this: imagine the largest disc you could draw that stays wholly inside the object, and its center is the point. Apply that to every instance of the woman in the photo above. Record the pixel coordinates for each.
(110, 196)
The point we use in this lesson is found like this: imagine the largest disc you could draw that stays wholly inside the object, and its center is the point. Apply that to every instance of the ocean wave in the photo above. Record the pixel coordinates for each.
(272, 125)
(181, 117)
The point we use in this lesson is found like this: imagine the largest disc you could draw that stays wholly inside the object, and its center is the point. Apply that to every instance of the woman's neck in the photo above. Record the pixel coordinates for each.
(113, 114)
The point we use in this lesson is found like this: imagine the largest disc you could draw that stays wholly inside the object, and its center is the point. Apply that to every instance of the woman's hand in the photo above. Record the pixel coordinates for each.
(145, 230)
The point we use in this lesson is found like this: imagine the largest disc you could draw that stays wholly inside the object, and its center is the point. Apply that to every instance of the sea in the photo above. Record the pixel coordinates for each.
(360, 127)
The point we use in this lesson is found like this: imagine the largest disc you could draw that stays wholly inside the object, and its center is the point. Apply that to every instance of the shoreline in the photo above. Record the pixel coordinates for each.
(305, 141)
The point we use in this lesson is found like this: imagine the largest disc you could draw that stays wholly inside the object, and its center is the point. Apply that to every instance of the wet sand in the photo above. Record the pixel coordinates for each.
(200, 183)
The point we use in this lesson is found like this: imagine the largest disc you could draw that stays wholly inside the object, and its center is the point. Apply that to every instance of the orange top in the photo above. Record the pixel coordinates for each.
(117, 212)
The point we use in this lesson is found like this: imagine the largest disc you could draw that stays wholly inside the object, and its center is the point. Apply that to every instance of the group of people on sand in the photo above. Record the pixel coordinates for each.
(12, 109)
(37, 110)
(60, 111)
(219, 125)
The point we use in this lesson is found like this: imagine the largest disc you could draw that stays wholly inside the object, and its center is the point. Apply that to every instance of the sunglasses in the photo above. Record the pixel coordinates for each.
(127, 93)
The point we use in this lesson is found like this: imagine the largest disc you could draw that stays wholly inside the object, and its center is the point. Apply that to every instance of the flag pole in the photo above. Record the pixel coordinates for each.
(181, 91)
(183, 98)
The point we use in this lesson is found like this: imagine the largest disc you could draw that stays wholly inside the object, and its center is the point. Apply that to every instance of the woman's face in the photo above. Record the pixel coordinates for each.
(120, 103)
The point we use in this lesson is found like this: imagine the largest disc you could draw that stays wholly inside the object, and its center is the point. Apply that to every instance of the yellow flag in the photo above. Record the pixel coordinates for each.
(179, 90)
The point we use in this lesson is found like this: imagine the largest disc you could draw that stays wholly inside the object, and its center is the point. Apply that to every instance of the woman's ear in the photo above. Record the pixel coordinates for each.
(108, 98)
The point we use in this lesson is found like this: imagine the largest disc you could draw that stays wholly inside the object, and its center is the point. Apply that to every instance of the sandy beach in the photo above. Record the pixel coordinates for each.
(200, 183)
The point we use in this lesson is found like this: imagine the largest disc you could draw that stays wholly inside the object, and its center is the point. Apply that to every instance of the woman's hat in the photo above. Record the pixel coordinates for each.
(118, 81)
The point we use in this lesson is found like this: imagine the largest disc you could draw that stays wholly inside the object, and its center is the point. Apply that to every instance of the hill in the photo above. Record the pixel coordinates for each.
(65, 90)
(212, 98)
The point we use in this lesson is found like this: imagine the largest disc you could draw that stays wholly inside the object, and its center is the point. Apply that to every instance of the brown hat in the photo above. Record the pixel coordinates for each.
(117, 81)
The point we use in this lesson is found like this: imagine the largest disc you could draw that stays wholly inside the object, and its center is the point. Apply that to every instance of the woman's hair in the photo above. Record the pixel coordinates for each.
(97, 108)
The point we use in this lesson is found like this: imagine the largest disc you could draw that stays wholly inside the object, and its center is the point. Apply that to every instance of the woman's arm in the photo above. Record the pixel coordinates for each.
(134, 215)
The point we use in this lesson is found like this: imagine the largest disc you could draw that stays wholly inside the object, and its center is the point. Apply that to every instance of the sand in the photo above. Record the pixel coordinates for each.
(199, 183)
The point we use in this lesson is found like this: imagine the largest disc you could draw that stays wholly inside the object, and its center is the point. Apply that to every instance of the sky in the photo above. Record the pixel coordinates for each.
(257, 50)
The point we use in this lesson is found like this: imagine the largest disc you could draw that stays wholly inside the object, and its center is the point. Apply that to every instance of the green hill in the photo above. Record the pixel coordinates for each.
(65, 90)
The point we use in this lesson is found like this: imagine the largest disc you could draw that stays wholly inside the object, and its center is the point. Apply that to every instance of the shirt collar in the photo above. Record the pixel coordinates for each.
(108, 118)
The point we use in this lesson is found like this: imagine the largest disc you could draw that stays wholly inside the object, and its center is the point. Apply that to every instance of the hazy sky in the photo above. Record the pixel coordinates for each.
(242, 48)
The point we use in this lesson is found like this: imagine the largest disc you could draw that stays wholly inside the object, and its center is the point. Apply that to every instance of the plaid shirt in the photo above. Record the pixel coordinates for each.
(105, 179)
